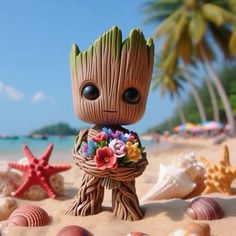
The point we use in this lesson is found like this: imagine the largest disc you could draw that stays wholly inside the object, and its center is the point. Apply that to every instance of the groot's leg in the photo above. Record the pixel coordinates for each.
(89, 198)
(125, 203)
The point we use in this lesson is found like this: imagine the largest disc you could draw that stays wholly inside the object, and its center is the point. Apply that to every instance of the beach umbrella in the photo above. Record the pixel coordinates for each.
(211, 125)
(195, 128)
(184, 127)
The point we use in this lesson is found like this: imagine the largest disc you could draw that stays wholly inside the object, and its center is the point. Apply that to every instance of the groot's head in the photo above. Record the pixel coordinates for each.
(110, 81)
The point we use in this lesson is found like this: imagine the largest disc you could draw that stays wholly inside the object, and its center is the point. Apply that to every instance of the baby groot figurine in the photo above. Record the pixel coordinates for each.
(110, 83)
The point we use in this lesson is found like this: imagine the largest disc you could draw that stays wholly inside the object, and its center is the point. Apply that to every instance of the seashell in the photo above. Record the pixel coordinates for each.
(9, 180)
(73, 230)
(190, 164)
(29, 215)
(7, 206)
(137, 234)
(204, 208)
(172, 182)
(191, 229)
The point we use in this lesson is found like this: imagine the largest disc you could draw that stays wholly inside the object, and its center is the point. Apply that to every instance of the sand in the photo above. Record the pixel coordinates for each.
(161, 217)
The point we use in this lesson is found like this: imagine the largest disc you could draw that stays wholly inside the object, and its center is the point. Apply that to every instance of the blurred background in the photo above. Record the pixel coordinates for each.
(193, 90)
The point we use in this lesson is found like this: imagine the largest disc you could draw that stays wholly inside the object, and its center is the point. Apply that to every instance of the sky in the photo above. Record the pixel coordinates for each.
(35, 42)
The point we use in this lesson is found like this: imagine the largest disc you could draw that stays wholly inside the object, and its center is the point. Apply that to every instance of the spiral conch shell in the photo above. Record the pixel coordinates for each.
(29, 215)
(178, 179)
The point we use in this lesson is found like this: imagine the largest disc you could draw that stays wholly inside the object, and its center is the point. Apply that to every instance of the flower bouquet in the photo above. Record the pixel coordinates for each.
(114, 154)
(111, 149)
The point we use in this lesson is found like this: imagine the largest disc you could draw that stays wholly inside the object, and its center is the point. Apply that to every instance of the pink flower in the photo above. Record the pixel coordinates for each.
(117, 147)
(105, 159)
(99, 137)
(130, 137)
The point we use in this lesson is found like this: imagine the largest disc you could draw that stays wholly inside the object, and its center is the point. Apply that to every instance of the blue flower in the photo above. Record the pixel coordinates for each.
(109, 133)
(89, 148)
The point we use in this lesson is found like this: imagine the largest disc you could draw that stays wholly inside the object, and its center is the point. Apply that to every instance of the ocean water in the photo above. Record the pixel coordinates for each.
(11, 149)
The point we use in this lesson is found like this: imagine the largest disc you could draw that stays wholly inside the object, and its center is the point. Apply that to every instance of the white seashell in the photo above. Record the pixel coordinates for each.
(10, 179)
(7, 206)
(173, 182)
(190, 164)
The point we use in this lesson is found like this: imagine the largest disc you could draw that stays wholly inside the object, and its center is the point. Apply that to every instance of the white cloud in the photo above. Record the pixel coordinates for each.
(10, 93)
(39, 97)
(13, 94)
(1, 87)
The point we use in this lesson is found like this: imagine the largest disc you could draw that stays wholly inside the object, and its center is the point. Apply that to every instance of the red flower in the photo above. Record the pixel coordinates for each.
(104, 158)
(99, 137)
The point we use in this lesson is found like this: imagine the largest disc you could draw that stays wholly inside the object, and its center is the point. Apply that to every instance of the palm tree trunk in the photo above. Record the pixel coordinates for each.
(213, 99)
(196, 97)
(180, 112)
(221, 91)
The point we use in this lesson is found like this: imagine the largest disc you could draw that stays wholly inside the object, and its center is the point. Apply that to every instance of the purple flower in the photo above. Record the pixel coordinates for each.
(117, 147)
(120, 136)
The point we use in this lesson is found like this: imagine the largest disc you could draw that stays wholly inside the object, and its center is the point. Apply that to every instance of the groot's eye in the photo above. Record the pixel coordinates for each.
(131, 95)
(90, 92)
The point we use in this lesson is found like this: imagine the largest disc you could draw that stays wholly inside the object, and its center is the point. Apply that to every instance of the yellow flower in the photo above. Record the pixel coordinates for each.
(132, 152)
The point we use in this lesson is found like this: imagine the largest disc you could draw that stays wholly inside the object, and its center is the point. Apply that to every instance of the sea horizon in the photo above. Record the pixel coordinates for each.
(11, 148)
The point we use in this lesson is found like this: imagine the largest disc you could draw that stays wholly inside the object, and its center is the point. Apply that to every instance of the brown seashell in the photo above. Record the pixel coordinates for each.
(196, 229)
(137, 234)
(29, 215)
(204, 208)
(73, 230)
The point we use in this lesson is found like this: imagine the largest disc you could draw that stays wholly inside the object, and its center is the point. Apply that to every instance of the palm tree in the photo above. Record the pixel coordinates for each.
(210, 88)
(190, 27)
(174, 85)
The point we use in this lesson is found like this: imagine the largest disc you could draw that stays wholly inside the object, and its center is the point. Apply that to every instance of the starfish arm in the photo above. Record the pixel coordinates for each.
(225, 156)
(46, 155)
(18, 166)
(208, 190)
(47, 187)
(56, 169)
(28, 153)
(23, 187)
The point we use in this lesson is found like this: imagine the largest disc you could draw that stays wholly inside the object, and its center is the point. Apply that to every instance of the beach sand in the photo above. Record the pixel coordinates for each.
(161, 217)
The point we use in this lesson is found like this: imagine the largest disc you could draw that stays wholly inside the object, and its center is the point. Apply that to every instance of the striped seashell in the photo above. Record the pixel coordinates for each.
(204, 208)
(73, 230)
(29, 215)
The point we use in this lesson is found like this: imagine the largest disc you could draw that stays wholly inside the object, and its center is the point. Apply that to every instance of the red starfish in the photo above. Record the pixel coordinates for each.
(37, 171)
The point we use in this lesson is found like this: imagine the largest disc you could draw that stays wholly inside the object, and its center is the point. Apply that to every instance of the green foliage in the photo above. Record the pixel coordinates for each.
(227, 76)
(56, 129)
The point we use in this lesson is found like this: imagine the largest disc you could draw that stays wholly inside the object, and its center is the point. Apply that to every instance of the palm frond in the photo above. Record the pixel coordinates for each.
(157, 11)
(197, 27)
(169, 23)
(185, 48)
(213, 14)
(180, 25)
(232, 43)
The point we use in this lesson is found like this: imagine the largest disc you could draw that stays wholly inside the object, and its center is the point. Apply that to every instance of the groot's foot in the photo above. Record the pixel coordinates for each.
(89, 199)
(125, 203)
